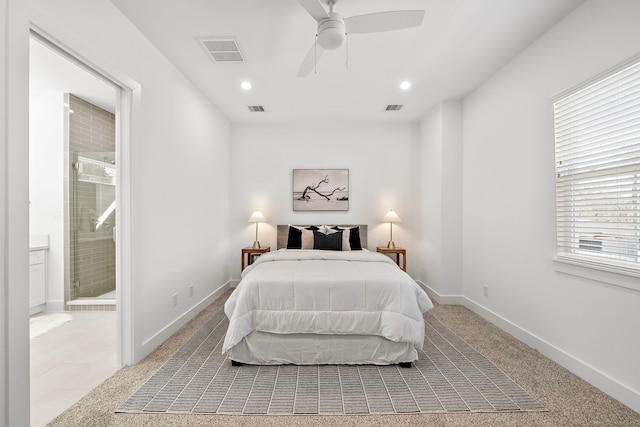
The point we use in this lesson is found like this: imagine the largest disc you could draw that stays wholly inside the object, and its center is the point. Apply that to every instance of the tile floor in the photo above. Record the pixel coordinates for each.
(69, 361)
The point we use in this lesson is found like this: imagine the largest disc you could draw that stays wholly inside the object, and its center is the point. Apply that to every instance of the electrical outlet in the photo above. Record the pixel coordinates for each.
(190, 291)
(175, 300)
(485, 290)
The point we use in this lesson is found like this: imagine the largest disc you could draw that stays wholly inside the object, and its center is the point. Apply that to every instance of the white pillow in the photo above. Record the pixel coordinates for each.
(307, 239)
(325, 229)
(346, 233)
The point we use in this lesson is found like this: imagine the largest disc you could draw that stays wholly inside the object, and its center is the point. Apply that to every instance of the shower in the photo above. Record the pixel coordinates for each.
(94, 207)
(90, 188)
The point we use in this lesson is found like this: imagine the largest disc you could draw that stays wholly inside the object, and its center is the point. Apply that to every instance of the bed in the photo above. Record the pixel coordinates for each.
(333, 302)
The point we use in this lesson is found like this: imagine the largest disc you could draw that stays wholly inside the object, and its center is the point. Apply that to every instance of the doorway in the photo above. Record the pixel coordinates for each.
(72, 182)
(73, 121)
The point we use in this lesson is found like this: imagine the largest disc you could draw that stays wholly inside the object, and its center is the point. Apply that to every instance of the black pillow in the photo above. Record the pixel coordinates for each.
(327, 242)
(294, 240)
(354, 238)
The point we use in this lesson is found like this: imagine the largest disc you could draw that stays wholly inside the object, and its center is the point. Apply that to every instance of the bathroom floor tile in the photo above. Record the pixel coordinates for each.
(69, 361)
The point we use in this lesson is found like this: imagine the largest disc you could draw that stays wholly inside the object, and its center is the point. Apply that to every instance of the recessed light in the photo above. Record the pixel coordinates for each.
(245, 85)
(405, 85)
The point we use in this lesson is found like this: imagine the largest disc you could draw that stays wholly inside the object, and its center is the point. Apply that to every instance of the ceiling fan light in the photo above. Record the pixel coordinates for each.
(331, 33)
(331, 38)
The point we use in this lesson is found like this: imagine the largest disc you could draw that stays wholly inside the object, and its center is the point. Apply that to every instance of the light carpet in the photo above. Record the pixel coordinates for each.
(450, 376)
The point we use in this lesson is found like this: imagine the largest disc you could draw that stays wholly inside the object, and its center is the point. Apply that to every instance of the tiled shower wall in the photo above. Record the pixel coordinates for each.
(90, 255)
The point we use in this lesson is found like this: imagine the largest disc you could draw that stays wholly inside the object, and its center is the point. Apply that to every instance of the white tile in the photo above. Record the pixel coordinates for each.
(70, 361)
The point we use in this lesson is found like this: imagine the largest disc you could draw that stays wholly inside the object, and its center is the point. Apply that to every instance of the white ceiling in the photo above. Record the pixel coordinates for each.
(459, 45)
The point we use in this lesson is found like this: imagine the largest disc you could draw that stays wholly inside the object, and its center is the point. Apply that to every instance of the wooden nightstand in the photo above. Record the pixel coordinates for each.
(397, 252)
(250, 254)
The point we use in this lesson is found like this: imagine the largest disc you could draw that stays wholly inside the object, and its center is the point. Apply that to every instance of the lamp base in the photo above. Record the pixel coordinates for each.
(256, 245)
(391, 245)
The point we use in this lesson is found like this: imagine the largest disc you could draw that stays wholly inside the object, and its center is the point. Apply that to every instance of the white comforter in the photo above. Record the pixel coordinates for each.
(327, 292)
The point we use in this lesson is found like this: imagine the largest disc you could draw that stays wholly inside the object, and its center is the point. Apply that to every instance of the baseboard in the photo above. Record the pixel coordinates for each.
(54, 306)
(592, 375)
(161, 336)
(438, 297)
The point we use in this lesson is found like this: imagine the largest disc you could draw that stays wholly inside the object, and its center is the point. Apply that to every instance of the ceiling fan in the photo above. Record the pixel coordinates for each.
(333, 28)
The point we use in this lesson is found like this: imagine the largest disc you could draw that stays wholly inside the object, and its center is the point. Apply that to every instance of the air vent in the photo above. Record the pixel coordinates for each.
(222, 49)
(256, 108)
(393, 107)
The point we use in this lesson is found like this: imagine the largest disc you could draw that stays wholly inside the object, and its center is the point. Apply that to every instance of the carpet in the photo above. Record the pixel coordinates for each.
(449, 376)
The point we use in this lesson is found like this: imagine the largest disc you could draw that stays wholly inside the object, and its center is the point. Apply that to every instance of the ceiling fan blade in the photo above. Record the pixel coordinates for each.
(315, 9)
(384, 21)
(310, 61)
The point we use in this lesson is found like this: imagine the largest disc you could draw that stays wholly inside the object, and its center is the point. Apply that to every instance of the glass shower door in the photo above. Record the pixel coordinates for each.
(94, 219)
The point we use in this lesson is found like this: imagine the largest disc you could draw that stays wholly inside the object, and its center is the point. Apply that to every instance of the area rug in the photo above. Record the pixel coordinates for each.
(42, 323)
(449, 376)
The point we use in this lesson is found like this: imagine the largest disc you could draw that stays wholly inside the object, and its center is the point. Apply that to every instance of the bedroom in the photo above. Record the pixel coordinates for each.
(584, 325)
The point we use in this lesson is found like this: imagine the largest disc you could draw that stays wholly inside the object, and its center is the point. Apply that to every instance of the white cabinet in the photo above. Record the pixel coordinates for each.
(37, 280)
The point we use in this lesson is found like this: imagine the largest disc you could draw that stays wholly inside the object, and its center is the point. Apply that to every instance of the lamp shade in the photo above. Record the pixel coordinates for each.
(257, 217)
(392, 216)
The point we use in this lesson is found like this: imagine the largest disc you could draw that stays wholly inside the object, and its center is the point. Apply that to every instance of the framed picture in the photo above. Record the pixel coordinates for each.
(321, 189)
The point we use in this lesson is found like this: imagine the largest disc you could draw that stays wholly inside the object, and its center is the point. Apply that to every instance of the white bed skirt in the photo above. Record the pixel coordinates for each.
(264, 348)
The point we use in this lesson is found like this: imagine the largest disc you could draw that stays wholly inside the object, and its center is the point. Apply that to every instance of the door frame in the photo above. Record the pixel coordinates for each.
(123, 116)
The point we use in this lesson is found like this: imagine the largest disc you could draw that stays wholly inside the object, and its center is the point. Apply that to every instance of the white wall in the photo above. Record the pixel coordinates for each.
(509, 212)
(441, 200)
(383, 175)
(46, 187)
(14, 214)
(177, 173)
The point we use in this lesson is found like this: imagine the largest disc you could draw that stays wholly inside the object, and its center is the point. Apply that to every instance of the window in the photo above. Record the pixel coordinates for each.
(597, 138)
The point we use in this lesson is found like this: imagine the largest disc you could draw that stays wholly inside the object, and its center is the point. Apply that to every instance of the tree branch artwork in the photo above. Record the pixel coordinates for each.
(320, 189)
(314, 188)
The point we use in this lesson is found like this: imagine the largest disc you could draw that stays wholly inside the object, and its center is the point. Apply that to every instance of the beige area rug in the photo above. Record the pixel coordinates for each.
(449, 377)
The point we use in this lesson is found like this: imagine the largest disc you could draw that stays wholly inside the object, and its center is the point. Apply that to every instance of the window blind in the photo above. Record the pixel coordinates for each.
(597, 146)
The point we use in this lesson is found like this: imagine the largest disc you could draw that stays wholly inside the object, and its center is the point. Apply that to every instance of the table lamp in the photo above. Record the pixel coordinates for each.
(257, 217)
(391, 217)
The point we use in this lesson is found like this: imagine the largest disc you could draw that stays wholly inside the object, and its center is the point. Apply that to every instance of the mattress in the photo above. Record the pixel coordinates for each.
(288, 294)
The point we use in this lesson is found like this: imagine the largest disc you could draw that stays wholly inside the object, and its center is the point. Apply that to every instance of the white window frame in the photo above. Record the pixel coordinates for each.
(597, 141)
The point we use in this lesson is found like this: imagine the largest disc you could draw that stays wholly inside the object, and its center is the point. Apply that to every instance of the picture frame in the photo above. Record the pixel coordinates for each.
(320, 189)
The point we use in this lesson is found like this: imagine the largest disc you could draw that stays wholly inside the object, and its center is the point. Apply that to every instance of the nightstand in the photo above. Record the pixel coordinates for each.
(397, 252)
(250, 254)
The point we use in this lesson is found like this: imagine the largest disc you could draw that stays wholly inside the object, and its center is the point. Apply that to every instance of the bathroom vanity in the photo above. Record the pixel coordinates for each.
(38, 246)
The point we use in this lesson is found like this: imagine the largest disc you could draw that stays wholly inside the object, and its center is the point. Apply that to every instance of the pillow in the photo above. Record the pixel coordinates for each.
(327, 242)
(325, 229)
(354, 237)
(346, 233)
(308, 238)
(294, 238)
